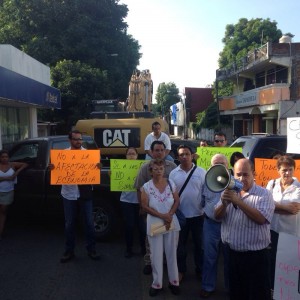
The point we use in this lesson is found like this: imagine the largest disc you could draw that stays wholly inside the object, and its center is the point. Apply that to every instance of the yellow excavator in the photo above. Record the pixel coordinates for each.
(116, 125)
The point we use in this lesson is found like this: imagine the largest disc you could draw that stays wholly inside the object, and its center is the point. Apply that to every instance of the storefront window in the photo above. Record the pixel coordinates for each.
(14, 125)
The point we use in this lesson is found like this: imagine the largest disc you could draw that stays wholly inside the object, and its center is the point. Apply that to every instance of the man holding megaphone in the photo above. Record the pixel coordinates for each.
(246, 230)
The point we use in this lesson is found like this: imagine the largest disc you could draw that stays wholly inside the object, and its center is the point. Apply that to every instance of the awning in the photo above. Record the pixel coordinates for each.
(16, 87)
(252, 110)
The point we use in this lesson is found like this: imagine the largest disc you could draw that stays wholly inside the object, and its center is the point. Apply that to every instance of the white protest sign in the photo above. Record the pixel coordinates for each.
(293, 135)
(287, 268)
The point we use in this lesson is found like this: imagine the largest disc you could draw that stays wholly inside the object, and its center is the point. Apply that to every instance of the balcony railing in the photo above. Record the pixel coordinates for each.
(252, 58)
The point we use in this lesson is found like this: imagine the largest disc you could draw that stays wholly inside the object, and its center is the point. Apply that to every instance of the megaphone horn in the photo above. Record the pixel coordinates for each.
(218, 178)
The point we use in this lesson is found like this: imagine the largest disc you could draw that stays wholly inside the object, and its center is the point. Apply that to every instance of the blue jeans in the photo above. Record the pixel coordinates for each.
(133, 220)
(71, 208)
(195, 225)
(211, 244)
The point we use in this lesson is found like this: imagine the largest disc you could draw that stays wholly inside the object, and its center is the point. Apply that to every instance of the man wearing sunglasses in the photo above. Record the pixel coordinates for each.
(220, 139)
(78, 197)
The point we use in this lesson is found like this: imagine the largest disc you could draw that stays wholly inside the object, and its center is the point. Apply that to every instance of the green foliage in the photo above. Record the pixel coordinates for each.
(245, 36)
(208, 119)
(167, 94)
(85, 31)
(155, 109)
(78, 83)
(241, 38)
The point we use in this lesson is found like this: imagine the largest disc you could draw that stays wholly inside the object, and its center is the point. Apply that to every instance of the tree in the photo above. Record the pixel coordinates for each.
(245, 36)
(88, 31)
(78, 83)
(167, 94)
(207, 119)
(239, 39)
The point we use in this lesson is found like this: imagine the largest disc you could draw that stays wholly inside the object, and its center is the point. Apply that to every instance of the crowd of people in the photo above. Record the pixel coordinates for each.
(244, 224)
(241, 224)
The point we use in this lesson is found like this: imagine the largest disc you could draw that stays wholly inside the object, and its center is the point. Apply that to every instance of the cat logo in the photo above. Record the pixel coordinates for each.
(117, 137)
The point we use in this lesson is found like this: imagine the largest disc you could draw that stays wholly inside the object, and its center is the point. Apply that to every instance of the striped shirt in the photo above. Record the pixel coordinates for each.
(239, 231)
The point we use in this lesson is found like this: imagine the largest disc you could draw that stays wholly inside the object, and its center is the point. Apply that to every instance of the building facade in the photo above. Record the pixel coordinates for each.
(184, 113)
(24, 87)
(266, 88)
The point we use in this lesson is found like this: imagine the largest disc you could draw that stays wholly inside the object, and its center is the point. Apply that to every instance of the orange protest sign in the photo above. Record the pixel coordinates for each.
(75, 167)
(265, 170)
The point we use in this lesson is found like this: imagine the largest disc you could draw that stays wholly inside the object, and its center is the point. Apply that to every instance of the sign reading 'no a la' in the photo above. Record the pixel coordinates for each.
(75, 167)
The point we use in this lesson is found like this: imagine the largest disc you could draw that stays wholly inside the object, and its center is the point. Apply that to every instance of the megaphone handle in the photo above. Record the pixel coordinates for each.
(226, 203)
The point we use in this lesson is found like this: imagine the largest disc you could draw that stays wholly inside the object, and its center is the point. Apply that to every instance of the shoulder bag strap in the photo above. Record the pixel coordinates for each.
(170, 185)
(187, 180)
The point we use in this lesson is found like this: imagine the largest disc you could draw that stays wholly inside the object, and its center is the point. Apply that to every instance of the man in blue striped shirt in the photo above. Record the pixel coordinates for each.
(246, 218)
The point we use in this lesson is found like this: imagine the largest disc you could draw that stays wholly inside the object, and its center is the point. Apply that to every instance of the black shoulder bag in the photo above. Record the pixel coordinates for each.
(180, 216)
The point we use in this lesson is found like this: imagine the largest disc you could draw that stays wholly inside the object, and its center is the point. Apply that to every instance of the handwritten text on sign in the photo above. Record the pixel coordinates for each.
(75, 167)
(123, 174)
(287, 268)
(293, 135)
(266, 170)
(206, 153)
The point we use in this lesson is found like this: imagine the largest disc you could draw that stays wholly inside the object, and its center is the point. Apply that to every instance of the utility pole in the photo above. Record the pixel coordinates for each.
(217, 99)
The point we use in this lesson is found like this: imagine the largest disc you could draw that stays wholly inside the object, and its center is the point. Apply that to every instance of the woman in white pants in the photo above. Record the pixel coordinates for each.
(160, 200)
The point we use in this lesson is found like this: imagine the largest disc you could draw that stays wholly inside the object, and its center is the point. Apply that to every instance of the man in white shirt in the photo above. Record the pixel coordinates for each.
(78, 197)
(212, 238)
(157, 135)
(190, 205)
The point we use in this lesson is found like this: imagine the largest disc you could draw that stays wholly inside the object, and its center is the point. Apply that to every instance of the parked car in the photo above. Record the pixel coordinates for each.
(262, 146)
(35, 195)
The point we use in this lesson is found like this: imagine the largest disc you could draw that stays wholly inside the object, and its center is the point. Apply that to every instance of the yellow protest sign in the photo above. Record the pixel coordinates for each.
(75, 167)
(123, 174)
(206, 153)
(265, 170)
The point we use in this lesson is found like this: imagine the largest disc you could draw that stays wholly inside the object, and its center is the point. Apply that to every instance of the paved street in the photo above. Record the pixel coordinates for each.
(30, 269)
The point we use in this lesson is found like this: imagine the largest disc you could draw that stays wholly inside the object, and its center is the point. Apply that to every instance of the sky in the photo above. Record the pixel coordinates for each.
(181, 39)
